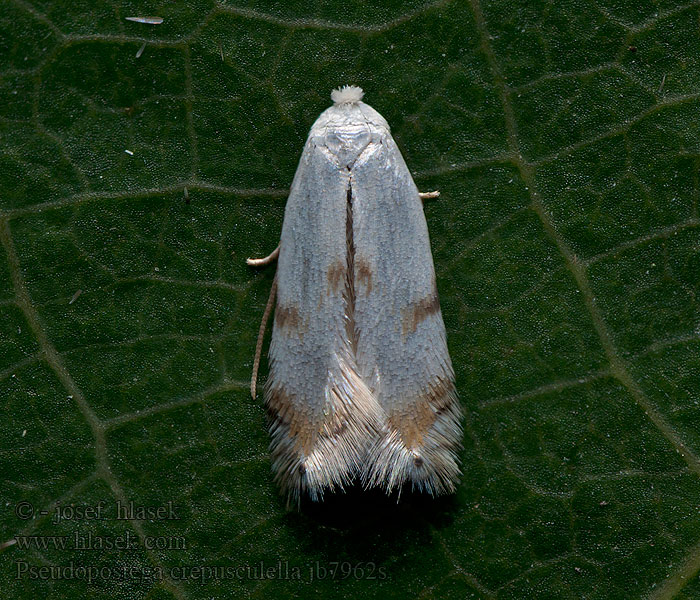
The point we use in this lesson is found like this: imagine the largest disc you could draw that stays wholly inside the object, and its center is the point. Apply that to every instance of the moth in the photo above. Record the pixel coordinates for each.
(361, 386)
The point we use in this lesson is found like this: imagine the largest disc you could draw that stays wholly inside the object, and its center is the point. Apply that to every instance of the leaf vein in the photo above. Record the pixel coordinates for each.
(53, 358)
(618, 366)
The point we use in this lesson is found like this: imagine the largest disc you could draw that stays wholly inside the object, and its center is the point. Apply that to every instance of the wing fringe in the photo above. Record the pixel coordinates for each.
(312, 460)
(421, 448)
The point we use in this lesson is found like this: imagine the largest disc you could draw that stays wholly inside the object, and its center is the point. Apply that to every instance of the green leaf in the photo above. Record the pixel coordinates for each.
(565, 140)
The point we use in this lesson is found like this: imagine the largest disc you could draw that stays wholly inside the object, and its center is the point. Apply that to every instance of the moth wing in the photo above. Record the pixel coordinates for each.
(322, 417)
(401, 344)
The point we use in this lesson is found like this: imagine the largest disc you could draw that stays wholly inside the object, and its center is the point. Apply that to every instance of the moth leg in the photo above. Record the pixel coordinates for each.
(261, 333)
(261, 262)
(429, 195)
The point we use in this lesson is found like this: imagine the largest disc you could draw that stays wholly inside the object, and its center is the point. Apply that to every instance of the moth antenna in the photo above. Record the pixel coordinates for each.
(261, 334)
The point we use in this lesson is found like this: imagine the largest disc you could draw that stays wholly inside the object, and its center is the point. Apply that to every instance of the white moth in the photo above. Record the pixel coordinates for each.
(361, 386)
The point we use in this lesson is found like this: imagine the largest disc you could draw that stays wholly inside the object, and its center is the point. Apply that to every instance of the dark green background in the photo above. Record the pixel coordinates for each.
(564, 137)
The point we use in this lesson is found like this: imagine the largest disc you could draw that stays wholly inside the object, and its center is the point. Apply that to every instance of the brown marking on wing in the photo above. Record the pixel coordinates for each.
(287, 316)
(335, 275)
(303, 428)
(416, 420)
(364, 274)
(281, 411)
(339, 426)
(416, 313)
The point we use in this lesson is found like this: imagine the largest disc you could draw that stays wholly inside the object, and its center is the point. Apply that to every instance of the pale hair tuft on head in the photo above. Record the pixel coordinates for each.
(347, 94)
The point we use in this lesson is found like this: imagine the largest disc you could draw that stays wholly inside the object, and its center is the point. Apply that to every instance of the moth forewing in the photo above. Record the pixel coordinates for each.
(402, 348)
(361, 386)
(323, 419)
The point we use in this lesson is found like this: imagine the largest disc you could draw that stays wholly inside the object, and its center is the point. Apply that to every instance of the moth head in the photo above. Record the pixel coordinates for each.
(348, 94)
(347, 126)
